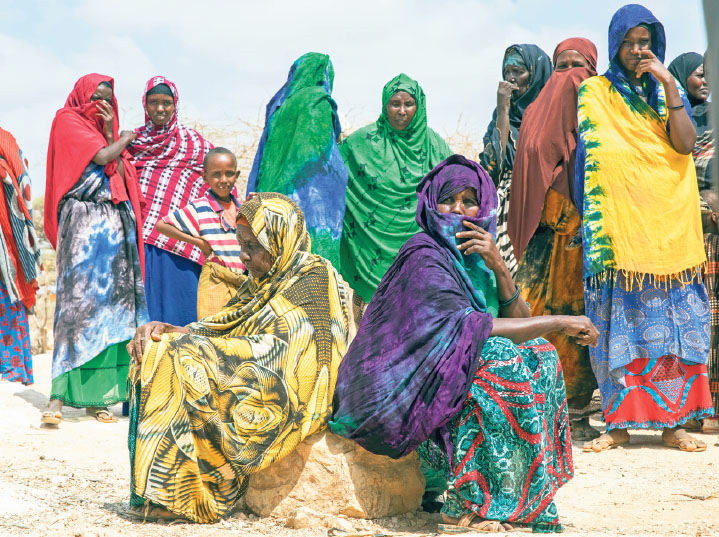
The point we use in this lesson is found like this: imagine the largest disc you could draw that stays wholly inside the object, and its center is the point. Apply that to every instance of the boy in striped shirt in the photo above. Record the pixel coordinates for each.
(209, 222)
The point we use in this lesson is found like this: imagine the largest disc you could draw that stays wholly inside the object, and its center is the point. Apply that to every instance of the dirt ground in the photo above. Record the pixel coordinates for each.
(73, 481)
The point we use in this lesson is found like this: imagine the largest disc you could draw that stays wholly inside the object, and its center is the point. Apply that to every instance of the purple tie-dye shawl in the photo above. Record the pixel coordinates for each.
(408, 371)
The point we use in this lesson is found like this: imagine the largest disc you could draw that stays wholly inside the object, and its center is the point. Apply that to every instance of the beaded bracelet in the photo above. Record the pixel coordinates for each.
(508, 302)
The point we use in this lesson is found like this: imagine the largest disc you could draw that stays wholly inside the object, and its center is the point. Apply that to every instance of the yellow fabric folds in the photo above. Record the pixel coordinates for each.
(641, 200)
(249, 383)
(216, 287)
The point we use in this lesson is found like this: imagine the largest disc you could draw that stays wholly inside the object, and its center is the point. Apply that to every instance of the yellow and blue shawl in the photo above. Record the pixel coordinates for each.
(638, 196)
(246, 385)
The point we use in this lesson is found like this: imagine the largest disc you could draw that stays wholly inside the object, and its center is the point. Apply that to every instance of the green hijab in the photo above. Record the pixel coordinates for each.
(385, 166)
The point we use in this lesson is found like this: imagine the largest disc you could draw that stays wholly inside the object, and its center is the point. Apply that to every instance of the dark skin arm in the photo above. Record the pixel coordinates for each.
(682, 134)
(174, 233)
(114, 148)
(515, 321)
(504, 97)
(149, 332)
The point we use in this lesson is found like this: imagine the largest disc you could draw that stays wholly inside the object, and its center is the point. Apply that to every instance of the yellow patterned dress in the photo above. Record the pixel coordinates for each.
(246, 385)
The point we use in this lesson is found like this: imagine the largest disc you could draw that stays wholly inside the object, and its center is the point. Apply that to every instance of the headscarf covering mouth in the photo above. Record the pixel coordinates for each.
(581, 45)
(450, 176)
(547, 145)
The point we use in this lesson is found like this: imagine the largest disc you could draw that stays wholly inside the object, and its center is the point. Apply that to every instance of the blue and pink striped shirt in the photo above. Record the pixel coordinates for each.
(203, 218)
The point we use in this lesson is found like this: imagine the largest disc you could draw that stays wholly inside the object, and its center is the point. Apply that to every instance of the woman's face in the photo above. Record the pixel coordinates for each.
(400, 110)
(635, 40)
(569, 59)
(698, 85)
(256, 259)
(463, 203)
(519, 76)
(103, 92)
(160, 108)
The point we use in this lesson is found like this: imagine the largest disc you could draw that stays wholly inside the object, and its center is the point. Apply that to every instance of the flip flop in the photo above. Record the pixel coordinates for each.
(682, 444)
(105, 416)
(152, 514)
(464, 525)
(51, 418)
(710, 426)
(601, 441)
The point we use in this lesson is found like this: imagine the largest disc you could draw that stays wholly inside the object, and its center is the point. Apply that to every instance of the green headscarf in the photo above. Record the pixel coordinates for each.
(385, 166)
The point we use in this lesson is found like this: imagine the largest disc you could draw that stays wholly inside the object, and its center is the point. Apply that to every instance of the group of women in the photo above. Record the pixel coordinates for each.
(396, 293)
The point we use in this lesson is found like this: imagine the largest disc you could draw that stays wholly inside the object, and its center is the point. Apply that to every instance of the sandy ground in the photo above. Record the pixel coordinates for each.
(73, 481)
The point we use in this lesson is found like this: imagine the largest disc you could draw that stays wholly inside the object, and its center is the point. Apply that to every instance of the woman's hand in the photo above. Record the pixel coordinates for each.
(581, 329)
(651, 64)
(480, 242)
(128, 136)
(504, 94)
(105, 112)
(153, 331)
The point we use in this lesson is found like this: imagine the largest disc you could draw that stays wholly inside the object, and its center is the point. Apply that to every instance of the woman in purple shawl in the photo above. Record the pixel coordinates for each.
(439, 360)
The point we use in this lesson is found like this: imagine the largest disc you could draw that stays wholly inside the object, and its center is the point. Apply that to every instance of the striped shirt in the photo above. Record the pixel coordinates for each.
(202, 218)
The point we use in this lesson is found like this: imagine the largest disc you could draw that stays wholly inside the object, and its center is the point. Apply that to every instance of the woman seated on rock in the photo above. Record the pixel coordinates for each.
(227, 396)
(447, 351)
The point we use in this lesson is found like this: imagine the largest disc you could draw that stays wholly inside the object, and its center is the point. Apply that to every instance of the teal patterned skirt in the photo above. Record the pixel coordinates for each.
(511, 441)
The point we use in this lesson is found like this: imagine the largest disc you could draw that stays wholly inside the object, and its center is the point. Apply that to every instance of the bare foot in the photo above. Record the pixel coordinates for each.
(475, 522)
(53, 414)
(682, 440)
(612, 439)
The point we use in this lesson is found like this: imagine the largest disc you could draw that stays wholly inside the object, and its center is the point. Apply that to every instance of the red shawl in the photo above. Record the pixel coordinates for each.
(168, 159)
(75, 138)
(546, 145)
(16, 199)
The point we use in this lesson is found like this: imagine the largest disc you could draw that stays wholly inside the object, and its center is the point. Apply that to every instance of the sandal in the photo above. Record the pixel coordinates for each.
(604, 443)
(710, 426)
(464, 525)
(51, 418)
(149, 513)
(103, 415)
(683, 442)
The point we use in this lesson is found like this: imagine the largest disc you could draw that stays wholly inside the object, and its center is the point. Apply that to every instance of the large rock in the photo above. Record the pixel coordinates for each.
(331, 475)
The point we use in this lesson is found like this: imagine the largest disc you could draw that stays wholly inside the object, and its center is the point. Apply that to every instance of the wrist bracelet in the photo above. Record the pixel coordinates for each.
(675, 107)
(514, 298)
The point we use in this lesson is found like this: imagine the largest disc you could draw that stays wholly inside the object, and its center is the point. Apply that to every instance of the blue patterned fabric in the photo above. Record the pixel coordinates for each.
(645, 323)
(15, 357)
(512, 446)
(100, 294)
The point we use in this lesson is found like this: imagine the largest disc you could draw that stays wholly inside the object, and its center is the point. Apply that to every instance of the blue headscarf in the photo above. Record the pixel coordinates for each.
(626, 18)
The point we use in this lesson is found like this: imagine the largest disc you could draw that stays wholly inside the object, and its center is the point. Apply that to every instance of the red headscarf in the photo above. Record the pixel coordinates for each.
(168, 159)
(75, 138)
(546, 145)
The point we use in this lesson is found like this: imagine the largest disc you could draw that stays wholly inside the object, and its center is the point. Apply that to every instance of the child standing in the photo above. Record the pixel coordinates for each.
(209, 223)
